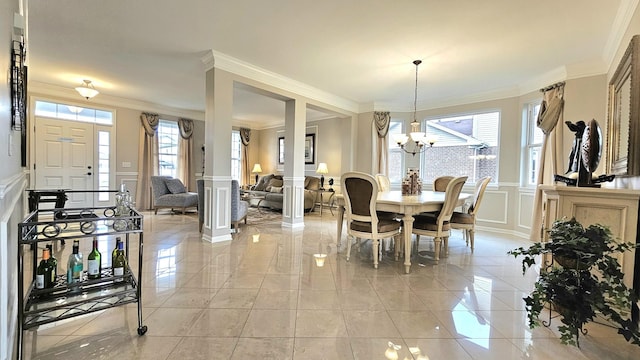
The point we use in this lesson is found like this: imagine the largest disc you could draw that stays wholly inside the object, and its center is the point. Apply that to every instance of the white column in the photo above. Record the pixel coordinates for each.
(294, 136)
(217, 177)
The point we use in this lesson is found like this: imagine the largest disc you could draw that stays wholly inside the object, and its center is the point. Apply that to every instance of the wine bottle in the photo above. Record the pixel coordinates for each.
(43, 272)
(74, 265)
(94, 261)
(120, 261)
(53, 264)
(114, 253)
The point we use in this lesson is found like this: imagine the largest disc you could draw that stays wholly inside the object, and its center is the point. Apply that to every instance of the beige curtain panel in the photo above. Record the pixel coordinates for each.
(185, 153)
(245, 138)
(381, 120)
(147, 159)
(550, 114)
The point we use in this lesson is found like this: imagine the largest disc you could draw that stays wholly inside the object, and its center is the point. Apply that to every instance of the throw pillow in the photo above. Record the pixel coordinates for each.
(262, 183)
(175, 186)
(276, 189)
(274, 182)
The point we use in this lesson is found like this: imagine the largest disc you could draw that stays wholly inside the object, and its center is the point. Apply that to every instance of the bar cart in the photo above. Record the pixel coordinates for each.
(64, 300)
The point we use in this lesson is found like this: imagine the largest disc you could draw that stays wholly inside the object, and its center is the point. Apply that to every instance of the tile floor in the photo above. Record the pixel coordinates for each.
(262, 296)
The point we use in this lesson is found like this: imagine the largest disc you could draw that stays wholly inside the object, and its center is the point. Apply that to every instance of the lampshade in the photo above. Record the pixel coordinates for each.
(322, 169)
(87, 90)
(256, 168)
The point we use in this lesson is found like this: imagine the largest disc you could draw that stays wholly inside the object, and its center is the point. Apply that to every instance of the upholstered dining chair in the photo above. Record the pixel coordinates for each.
(467, 220)
(437, 224)
(360, 195)
(383, 182)
(440, 183)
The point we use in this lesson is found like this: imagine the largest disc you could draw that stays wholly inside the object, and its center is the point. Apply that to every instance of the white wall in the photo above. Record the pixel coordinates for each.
(12, 185)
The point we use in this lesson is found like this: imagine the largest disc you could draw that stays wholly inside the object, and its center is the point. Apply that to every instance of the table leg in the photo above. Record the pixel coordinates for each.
(339, 221)
(407, 223)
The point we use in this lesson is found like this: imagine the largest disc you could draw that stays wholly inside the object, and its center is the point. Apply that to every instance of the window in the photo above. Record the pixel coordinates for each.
(396, 160)
(467, 145)
(71, 112)
(236, 161)
(533, 145)
(168, 135)
(103, 165)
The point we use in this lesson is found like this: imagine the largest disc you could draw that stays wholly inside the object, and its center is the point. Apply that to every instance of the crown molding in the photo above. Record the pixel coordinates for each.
(38, 88)
(235, 66)
(620, 25)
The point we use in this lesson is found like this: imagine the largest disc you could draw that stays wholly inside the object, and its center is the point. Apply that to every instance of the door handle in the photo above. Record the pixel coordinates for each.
(89, 173)
(89, 167)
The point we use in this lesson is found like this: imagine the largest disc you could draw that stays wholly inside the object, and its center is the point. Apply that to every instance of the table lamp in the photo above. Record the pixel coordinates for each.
(322, 169)
(257, 169)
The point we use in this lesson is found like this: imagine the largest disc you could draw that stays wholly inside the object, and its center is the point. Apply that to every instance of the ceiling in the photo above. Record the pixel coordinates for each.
(358, 52)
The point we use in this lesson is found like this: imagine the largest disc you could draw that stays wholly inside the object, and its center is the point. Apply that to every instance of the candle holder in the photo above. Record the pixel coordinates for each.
(412, 183)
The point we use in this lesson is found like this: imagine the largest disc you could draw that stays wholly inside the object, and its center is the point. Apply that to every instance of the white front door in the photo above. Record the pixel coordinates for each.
(64, 154)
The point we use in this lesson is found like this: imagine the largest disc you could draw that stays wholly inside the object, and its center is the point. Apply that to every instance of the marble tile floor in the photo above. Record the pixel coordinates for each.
(262, 296)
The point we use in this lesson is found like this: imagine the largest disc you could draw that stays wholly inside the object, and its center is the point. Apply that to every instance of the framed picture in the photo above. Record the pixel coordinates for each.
(623, 115)
(309, 149)
(281, 150)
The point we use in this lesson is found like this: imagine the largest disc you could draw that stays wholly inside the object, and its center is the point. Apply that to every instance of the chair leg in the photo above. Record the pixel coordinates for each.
(375, 245)
(436, 241)
(445, 240)
(349, 239)
(471, 236)
(397, 245)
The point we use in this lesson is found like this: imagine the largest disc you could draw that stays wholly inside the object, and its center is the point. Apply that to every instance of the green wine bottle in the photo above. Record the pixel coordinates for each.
(53, 264)
(74, 265)
(94, 261)
(114, 253)
(43, 272)
(120, 261)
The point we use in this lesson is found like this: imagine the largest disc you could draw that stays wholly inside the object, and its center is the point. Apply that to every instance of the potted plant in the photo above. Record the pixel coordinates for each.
(581, 279)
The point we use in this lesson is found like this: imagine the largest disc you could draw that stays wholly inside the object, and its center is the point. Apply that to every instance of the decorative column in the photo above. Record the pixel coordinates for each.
(294, 136)
(217, 176)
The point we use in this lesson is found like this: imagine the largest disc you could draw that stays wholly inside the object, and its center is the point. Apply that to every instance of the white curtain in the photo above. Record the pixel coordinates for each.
(147, 159)
(380, 134)
(185, 152)
(551, 161)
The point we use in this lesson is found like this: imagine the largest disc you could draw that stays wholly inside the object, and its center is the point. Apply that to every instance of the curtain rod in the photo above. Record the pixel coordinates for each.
(552, 86)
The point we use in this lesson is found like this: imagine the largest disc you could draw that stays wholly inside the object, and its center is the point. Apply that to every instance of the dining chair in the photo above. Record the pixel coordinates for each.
(360, 194)
(440, 183)
(437, 224)
(383, 182)
(467, 220)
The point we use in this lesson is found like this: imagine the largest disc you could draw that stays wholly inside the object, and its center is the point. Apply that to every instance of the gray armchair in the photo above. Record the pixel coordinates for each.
(171, 193)
(200, 188)
(238, 207)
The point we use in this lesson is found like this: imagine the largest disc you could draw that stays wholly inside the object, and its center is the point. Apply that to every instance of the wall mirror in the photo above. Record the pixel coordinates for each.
(623, 114)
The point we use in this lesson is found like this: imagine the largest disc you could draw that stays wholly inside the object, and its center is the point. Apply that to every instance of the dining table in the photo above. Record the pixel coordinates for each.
(405, 205)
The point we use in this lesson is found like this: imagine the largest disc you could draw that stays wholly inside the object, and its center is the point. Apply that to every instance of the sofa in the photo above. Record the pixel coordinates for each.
(271, 188)
(171, 193)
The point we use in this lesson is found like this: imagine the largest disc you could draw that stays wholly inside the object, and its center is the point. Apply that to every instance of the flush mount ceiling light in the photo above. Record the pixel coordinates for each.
(87, 90)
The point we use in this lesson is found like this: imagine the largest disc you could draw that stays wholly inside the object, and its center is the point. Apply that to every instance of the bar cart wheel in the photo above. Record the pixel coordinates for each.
(142, 330)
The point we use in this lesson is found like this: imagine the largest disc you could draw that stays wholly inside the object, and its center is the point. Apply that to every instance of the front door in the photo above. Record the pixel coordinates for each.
(64, 153)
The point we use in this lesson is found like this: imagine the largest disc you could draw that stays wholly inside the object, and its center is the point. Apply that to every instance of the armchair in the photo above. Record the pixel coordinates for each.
(239, 207)
(171, 193)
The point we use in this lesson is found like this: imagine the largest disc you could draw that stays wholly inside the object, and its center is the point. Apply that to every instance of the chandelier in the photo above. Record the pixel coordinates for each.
(418, 137)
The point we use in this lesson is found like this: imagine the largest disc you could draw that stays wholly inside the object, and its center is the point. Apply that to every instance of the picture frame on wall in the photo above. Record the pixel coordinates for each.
(309, 149)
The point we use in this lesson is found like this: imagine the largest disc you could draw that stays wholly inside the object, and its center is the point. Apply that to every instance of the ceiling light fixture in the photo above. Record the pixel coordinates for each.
(419, 138)
(87, 90)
